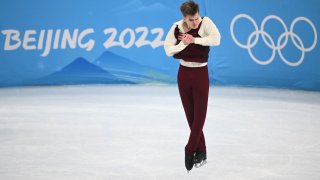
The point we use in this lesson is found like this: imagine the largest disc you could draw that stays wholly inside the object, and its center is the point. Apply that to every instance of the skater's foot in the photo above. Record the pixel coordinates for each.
(200, 159)
(189, 159)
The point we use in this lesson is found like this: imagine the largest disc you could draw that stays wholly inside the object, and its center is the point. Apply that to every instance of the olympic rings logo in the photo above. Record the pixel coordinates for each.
(278, 46)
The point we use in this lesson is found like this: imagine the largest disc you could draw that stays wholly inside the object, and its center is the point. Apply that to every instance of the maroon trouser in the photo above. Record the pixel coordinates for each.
(193, 86)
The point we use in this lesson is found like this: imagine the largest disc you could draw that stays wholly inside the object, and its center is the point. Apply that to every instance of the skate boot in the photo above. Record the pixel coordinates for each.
(189, 159)
(200, 159)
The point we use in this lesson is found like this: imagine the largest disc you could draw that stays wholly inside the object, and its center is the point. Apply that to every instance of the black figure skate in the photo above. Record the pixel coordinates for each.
(189, 160)
(200, 159)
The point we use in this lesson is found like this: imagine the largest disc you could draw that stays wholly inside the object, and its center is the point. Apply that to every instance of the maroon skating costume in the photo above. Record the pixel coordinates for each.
(193, 83)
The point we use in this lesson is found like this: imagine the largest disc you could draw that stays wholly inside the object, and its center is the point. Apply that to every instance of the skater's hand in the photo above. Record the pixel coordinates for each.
(186, 38)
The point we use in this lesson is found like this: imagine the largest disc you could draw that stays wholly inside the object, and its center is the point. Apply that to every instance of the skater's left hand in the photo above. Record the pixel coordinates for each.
(186, 38)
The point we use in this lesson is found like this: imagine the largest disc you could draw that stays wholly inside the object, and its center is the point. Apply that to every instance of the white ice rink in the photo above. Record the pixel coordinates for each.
(139, 132)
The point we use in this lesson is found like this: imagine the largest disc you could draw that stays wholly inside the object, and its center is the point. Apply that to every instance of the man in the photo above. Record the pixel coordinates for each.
(189, 40)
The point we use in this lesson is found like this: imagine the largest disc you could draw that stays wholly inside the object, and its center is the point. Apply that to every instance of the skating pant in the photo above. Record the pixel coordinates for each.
(193, 86)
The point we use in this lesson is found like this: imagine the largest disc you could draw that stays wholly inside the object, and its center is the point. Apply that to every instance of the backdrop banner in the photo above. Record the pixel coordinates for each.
(266, 43)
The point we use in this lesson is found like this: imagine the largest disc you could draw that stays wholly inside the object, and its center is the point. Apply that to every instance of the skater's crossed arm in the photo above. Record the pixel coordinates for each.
(170, 41)
(211, 32)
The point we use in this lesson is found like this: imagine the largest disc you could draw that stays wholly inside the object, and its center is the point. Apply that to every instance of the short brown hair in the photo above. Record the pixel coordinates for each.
(189, 8)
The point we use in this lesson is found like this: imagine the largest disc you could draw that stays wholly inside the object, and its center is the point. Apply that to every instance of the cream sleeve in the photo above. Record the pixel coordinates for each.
(170, 41)
(212, 35)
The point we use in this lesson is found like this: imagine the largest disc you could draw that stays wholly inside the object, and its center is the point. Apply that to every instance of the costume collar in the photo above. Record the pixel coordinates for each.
(180, 24)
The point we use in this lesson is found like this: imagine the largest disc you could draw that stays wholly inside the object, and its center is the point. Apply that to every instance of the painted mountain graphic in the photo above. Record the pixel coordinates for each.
(129, 70)
(80, 71)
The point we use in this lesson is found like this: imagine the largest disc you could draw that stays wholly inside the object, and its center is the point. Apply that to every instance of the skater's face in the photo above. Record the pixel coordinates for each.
(192, 21)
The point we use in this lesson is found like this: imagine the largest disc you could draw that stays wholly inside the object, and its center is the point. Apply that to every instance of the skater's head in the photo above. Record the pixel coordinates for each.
(190, 12)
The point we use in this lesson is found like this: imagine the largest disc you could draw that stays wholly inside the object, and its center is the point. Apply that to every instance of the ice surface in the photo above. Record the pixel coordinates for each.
(139, 132)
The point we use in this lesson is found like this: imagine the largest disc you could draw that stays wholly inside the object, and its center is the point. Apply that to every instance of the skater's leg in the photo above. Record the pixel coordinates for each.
(202, 143)
(186, 93)
(200, 92)
(187, 102)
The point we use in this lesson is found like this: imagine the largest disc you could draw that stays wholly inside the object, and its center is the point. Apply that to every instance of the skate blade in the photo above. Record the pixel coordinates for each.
(197, 165)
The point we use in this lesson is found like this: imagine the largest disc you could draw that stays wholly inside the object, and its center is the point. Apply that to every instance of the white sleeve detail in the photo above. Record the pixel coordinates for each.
(212, 35)
(170, 41)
